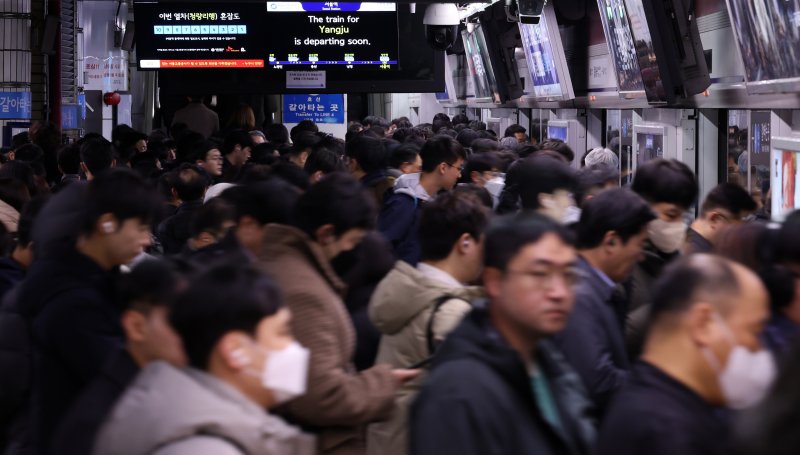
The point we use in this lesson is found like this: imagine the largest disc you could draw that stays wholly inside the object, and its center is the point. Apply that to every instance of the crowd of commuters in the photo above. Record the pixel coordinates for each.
(408, 289)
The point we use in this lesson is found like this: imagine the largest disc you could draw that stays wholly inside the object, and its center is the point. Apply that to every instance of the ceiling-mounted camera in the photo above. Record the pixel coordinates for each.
(441, 25)
(525, 11)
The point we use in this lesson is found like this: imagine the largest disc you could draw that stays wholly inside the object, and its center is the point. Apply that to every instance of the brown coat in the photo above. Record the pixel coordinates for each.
(339, 401)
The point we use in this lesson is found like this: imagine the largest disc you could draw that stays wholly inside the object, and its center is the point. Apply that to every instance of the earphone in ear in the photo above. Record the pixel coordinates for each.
(465, 243)
(240, 356)
(108, 227)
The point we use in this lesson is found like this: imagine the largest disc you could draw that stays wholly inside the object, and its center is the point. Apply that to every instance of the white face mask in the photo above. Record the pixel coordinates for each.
(285, 372)
(667, 236)
(560, 208)
(747, 377)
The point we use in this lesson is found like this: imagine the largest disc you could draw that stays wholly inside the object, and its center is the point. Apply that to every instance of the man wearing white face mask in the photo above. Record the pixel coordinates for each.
(702, 353)
(543, 184)
(670, 188)
(243, 360)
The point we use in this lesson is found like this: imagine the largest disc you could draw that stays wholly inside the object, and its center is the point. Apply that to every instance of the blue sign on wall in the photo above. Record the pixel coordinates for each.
(15, 105)
(82, 104)
(317, 108)
(69, 116)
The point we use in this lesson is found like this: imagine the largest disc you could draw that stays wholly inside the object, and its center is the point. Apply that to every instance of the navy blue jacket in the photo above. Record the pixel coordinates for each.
(75, 328)
(593, 341)
(399, 222)
(479, 400)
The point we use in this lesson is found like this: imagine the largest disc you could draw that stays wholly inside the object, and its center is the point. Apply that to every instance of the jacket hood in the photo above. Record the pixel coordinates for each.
(409, 184)
(405, 292)
(164, 405)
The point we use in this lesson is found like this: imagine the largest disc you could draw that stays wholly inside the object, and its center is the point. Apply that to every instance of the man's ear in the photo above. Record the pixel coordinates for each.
(325, 234)
(465, 243)
(492, 278)
(233, 350)
(701, 327)
(134, 324)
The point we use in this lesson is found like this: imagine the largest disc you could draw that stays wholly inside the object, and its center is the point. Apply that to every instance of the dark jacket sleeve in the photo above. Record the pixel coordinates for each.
(586, 345)
(448, 425)
(82, 330)
(397, 222)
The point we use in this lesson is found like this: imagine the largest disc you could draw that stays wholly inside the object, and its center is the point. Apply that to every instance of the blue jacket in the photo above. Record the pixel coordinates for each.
(593, 341)
(399, 219)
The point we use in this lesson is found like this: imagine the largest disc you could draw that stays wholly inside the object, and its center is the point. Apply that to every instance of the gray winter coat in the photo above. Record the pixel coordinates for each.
(168, 411)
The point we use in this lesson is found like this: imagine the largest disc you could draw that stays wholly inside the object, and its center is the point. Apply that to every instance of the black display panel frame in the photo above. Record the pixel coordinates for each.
(420, 70)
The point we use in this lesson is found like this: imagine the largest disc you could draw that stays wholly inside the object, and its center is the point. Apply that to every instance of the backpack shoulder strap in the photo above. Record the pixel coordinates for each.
(429, 329)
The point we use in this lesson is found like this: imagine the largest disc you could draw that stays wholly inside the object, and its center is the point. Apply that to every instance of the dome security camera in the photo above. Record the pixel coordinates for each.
(441, 25)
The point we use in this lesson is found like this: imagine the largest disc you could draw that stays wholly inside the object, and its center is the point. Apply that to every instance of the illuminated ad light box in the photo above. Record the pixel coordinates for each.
(768, 34)
(785, 178)
(480, 66)
(614, 16)
(544, 54)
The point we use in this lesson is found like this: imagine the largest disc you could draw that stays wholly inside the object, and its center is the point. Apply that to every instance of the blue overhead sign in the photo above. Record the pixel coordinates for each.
(317, 108)
(69, 116)
(15, 105)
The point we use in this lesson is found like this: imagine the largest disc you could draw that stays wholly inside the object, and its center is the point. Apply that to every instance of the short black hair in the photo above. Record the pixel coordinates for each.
(338, 199)
(20, 139)
(526, 150)
(374, 120)
(534, 176)
(151, 283)
(478, 191)
(448, 217)
(559, 147)
(291, 173)
(667, 181)
(593, 177)
(189, 147)
(324, 159)
(440, 124)
(370, 153)
(27, 219)
(190, 183)
(480, 163)
(616, 209)
(211, 217)
(303, 141)
(277, 133)
(304, 127)
(730, 197)
(477, 125)
(466, 136)
(29, 153)
(263, 153)
(441, 116)
(122, 193)
(440, 149)
(514, 129)
(271, 201)
(69, 159)
(460, 119)
(484, 145)
(508, 235)
(234, 138)
(406, 153)
(689, 278)
(97, 155)
(222, 299)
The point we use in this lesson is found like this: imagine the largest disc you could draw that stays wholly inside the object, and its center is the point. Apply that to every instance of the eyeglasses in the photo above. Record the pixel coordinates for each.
(546, 279)
(460, 168)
